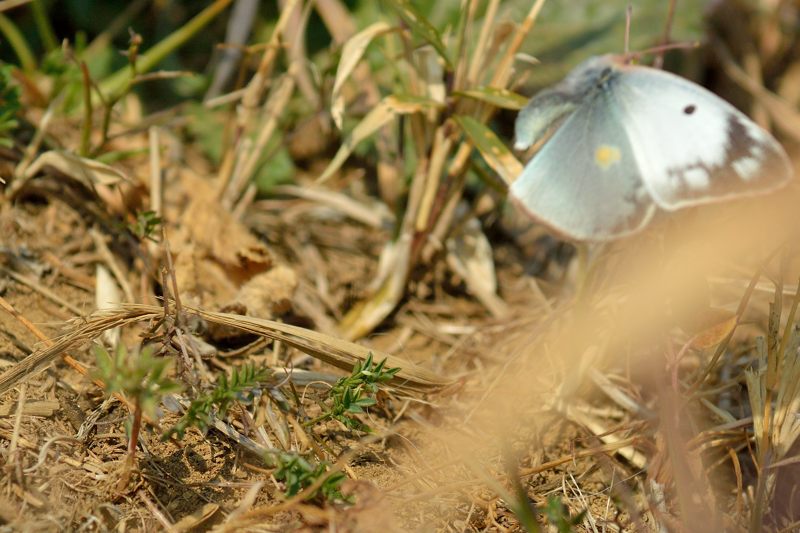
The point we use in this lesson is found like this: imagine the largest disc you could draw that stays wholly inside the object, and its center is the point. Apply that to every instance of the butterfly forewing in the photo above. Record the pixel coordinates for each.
(585, 182)
(691, 146)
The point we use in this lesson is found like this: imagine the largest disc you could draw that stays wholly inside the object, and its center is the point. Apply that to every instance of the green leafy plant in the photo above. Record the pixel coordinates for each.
(140, 377)
(446, 96)
(241, 387)
(60, 66)
(297, 474)
(559, 516)
(530, 516)
(354, 393)
(147, 222)
(9, 105)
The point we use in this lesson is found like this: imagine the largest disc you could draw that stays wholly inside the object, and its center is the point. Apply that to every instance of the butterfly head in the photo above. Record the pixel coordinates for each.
(551, 106)
(594, 73)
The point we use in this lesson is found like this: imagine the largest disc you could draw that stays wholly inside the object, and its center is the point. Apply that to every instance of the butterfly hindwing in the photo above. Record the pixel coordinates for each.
(584, 182)
(693, 147)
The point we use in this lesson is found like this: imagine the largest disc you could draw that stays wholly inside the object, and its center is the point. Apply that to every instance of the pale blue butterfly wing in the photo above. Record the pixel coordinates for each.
(584, 182)
(693, 147)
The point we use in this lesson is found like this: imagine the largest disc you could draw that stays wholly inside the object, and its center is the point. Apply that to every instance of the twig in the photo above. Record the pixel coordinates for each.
(168, 527)
(43, 452)
(23, 391)
(156, 179)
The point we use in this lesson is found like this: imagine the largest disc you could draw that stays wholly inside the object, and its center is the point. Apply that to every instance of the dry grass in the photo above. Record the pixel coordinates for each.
(646, 385)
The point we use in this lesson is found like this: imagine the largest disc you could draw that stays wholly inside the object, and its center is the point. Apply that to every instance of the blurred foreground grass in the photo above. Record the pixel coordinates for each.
(207, 120)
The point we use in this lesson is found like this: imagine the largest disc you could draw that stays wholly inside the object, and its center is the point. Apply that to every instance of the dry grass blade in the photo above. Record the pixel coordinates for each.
(392, 274)
(87, 172)
(504, 71)
(248, 119)
(469, 254)
(479, 57)
(337, 352)
(39, 359)
(5, 5)
(442, 144)
(374, 214)
(379, 116)
(257, 84)
(502, 98)
(774, 393)
(352, 51)
(251, 153)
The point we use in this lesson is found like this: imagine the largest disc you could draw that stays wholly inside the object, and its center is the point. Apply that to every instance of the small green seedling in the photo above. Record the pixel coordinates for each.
(559, 516)
(147, 222)
(352, 394)
(297, 474)
(9, 105)
(140, 377)
(240, 388)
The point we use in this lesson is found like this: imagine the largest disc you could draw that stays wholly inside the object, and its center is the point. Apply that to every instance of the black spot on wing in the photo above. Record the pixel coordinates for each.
(741, 149)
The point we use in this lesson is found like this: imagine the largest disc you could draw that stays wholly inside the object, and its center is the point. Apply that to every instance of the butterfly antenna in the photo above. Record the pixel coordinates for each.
(660, 49)
(628, 16)
(665, 38)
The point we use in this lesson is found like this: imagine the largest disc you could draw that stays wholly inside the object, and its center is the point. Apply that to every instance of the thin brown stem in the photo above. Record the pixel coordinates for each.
(133, 442)
(86, 129)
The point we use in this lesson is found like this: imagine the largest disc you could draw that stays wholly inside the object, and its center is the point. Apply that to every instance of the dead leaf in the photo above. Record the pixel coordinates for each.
(469, 254)
(189, 522)
(387, 289)
(216, 234)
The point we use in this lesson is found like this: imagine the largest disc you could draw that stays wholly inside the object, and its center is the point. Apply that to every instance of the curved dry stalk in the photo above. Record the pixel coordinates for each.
(332, 350)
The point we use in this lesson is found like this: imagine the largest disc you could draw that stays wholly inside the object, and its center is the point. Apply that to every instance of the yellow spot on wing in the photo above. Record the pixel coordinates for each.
(605, 156)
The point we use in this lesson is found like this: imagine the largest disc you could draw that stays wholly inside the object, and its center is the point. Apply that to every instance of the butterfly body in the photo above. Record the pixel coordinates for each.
(619, 141)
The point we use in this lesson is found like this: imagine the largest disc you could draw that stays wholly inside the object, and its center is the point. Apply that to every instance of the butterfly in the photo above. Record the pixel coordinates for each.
(620, 141)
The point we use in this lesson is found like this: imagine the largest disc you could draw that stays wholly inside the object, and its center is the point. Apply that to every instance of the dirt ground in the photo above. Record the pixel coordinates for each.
(57, 480)
(66, 448)
(648, 384)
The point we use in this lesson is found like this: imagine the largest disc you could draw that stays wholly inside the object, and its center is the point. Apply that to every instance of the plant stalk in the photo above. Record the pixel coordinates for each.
(133, 442)
(115, 85)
